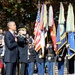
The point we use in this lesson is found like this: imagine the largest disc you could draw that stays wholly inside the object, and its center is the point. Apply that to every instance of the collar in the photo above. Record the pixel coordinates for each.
(11, 31)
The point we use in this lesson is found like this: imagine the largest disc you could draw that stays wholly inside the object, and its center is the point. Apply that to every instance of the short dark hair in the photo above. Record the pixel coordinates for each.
(9, 23)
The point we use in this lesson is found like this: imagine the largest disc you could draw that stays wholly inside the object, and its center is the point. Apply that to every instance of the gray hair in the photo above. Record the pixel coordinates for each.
(9, 23)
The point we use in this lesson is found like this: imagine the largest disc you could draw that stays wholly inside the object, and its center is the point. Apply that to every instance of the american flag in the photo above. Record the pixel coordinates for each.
(37, 33)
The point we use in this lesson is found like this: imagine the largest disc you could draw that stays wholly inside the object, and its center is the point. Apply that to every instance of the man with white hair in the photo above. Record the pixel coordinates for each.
(11, 52)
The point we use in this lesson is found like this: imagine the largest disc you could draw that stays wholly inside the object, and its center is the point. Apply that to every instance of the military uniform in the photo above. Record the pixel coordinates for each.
(40, 63)
(31, 57)
(60, 59)
(49, 58)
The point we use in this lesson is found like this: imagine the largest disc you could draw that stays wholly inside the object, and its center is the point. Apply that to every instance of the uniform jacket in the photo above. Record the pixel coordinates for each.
(31, 51)
(38, 59)
(49, 54)
(32, 55)
(62, 54)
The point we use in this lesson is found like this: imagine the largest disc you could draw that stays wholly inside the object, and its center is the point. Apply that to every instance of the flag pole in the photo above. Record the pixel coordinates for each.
(39, 5)
(47, 38)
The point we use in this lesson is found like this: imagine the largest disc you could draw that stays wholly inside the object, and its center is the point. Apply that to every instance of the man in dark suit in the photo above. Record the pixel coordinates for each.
(10, 56)
(23, 50)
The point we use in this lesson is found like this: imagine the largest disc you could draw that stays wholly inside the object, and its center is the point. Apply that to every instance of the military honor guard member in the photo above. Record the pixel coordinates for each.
(10, 56)
(31, 55)
(60, 58)
(23, 50)
(49, 57)
(40, 62)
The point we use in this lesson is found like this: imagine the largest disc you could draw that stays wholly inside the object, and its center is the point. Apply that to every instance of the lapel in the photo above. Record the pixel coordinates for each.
(11, 35)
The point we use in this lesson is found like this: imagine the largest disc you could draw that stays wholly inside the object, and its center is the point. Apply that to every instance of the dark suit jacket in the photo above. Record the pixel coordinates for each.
(11, 48)
(23, 49)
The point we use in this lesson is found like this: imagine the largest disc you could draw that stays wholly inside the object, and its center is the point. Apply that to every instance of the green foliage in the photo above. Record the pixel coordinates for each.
(23, 12)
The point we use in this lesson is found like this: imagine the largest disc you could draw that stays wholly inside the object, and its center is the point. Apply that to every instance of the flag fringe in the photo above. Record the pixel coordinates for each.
(63, 36)
(72, 49)
(62, 45)
(69, 57)
(58, 43)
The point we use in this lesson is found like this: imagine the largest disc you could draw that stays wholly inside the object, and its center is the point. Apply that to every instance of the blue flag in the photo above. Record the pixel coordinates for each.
(71, 42)
(58, 35)
(61, 31)
(61, 36)
(70, 31)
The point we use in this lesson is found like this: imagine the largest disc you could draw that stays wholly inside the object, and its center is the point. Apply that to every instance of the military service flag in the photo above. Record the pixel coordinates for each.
(52, 27)
(61, 31)
(70, 31)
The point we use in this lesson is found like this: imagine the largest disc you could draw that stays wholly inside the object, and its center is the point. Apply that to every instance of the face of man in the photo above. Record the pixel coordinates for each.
(12, 26)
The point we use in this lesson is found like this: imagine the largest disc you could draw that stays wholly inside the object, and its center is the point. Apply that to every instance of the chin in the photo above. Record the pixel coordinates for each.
(14, 29)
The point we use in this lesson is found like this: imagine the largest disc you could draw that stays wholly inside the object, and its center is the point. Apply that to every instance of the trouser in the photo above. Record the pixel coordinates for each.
(23, 70)
(50, 68)
(30, 68)
(40, 66)
(54, 68)
(10, 68)
(71, 65)
(60, 68)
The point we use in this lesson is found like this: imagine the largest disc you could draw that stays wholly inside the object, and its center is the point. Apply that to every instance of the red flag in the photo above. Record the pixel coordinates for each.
(53, 36)
(52, 27)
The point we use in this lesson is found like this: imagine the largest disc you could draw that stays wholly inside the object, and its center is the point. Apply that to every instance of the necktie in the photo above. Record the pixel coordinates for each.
(14, 34)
